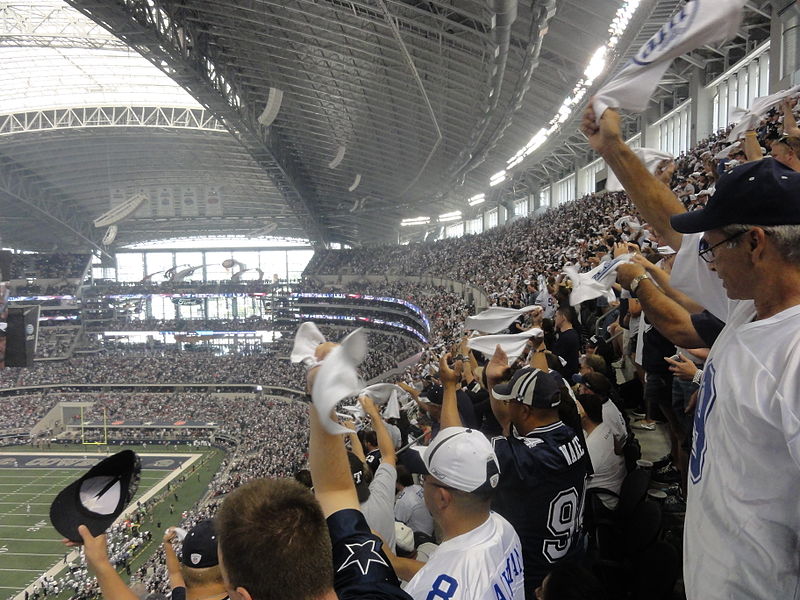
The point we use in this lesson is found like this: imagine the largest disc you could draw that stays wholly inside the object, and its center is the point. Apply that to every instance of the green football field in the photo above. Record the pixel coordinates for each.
(29, 545)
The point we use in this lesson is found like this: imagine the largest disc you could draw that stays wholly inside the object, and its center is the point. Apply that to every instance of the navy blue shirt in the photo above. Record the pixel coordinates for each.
(360, 567)
(542, 478)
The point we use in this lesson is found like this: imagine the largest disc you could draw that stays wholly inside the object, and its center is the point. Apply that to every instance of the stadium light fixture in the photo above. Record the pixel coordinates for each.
(597, 65)
(415, 221)
(497, 178)
(451, 216)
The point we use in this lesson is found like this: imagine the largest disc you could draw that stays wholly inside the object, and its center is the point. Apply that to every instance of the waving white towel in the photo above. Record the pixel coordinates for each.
(496, 318)
(513, 344)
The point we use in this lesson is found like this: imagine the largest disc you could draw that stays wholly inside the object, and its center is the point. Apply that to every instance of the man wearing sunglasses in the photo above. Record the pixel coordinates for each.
(739, 258)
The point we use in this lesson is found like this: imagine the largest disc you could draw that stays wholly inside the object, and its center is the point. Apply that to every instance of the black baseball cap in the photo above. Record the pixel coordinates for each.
(764, 192)
(97, 498)
(530, 386)
(200, 546)
(597, 382)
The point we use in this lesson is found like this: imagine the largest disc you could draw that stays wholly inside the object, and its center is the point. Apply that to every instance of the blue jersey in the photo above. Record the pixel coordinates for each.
(361, 569)
(541, 490)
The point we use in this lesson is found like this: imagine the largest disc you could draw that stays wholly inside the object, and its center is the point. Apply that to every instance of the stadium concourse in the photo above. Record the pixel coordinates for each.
(371, 287)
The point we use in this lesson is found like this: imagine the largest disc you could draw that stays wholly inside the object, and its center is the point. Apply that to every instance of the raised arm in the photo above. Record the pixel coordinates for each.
(789, 122)
(655, 201)
(355, 443)
(672, 320)
(496, 370)
(330, 470)
(752, 148)
(173, 566)
(96, 552)
(385, 444)
(450, 379)
(662, 278)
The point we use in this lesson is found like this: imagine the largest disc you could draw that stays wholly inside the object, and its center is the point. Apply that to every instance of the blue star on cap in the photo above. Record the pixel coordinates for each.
(362, 555)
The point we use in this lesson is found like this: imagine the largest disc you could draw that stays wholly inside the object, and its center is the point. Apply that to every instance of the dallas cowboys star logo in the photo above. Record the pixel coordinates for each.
(362, 555)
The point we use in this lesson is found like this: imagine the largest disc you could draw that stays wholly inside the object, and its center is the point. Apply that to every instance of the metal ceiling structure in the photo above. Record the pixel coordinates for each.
(333, 119)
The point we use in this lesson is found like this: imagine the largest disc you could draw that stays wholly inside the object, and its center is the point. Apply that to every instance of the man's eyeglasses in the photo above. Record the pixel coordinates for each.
(706, 252)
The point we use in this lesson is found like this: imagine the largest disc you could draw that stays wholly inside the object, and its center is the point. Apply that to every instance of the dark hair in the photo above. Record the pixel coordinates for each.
(276, 523)
(570, 581)
(304, 476)
(404, 476)
(592, 406)
(371, 438)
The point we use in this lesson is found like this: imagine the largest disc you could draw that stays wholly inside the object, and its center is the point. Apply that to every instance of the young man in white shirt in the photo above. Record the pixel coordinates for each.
(609, 467)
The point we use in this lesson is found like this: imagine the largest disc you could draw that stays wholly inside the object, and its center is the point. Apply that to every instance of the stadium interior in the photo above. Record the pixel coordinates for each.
(183, 183)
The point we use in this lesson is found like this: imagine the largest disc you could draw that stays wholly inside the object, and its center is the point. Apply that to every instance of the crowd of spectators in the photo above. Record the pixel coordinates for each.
(49, 266)
(510, 263)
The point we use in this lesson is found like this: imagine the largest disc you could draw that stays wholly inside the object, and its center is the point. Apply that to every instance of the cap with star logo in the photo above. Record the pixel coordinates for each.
(98, 497)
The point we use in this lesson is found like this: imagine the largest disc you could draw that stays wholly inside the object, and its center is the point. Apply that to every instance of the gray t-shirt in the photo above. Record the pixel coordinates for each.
(410, 509)
(378, 510)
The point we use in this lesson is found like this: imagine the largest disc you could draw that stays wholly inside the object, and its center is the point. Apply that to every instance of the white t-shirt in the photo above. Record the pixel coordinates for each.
(742, 529)
(609, 468)
(482, 564)
(409, 508)
(615, 422)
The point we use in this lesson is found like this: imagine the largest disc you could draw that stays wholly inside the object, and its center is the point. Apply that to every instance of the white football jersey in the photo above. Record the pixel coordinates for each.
(742, 529)
(482, 564)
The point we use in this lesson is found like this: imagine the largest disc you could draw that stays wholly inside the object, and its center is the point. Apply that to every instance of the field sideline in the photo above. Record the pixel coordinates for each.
(29, 481)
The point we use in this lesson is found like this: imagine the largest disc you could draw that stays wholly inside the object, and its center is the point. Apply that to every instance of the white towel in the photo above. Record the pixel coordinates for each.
(695, 24)
(380, 392)
(513, 344)
(749, 119)
(649, 157)
(595, 283)
(338, 379)
(496, 318)
(392, 410)
(306, 340)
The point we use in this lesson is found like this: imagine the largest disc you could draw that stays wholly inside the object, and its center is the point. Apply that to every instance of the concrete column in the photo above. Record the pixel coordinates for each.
(702, 119)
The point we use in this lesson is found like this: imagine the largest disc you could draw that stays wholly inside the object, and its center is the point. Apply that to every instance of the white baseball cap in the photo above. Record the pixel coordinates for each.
(462, 459)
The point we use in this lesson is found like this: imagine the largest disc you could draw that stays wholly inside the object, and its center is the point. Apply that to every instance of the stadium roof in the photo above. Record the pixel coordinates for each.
(330, 120)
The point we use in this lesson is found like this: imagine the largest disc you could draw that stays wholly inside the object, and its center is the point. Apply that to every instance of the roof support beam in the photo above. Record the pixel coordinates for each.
(23, 187)
(180, 50)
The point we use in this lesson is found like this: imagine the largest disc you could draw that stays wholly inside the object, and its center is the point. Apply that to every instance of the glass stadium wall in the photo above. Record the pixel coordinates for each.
(132, 266)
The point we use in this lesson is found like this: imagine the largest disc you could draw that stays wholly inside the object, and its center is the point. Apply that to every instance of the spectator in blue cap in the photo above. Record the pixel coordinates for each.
(740, 259)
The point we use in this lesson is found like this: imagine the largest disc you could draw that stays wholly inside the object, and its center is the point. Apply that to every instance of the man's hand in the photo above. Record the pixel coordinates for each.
(369, 407)
(447, 375)
(627, 273)
(94, 548)
(170, 535)
(665, 170)
(625, 248)
(497, 367)
(683, 368)
(320, 352)
(604, 136)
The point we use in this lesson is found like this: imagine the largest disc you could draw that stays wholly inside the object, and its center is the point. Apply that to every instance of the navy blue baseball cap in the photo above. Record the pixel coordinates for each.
(763, 192)
(532, 387)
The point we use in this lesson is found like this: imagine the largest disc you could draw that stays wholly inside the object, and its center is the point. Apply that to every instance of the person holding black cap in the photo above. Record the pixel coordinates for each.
(197, 575)
(739, 258)
(543, 467)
